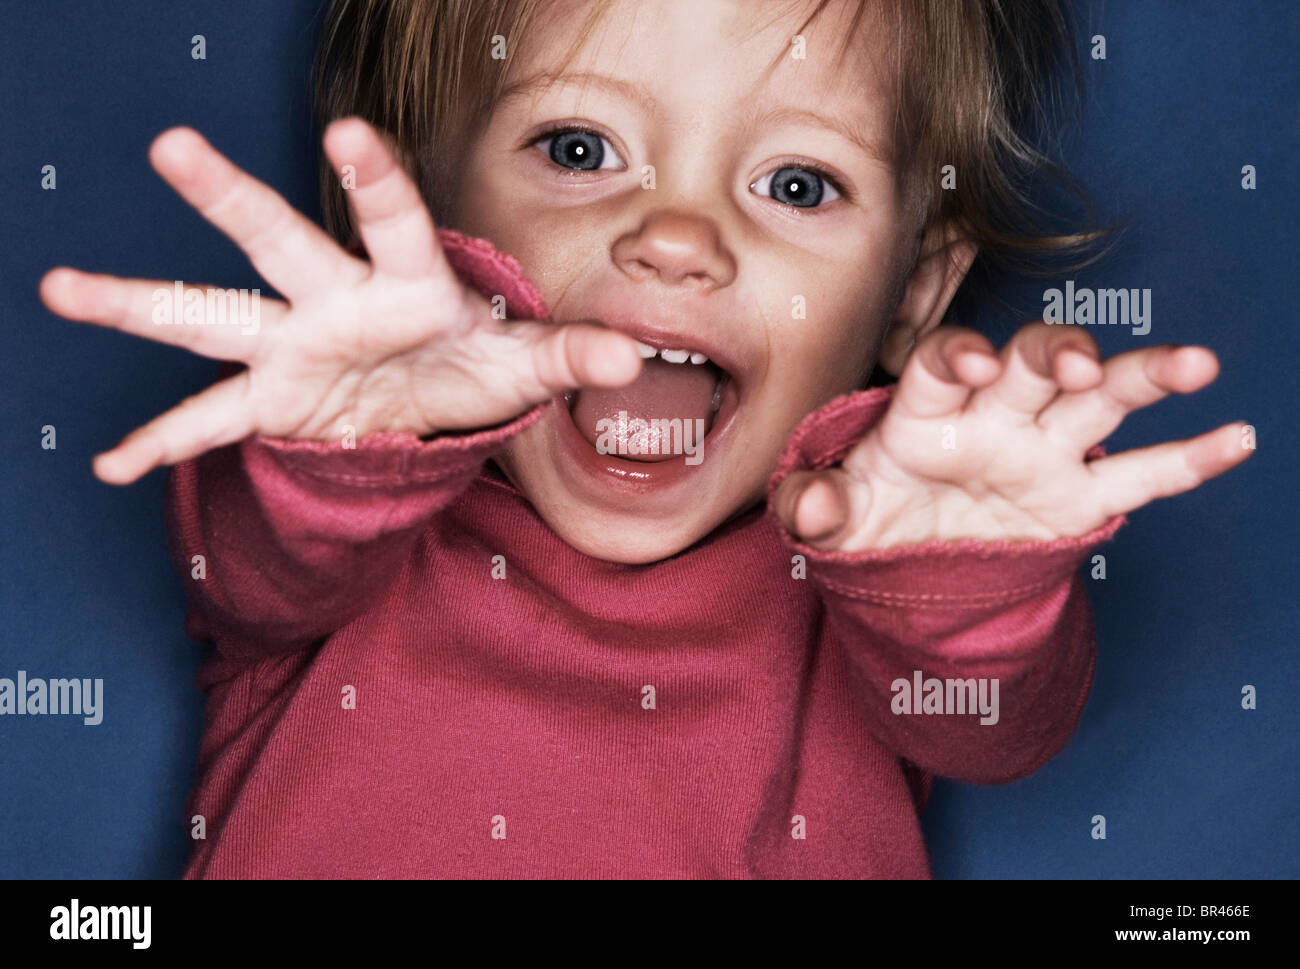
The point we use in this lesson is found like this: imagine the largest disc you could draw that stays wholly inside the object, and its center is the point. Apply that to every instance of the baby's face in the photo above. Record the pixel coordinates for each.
(770, 235)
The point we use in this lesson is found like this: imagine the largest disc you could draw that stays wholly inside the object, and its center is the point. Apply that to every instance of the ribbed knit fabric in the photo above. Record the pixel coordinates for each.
(386, 698)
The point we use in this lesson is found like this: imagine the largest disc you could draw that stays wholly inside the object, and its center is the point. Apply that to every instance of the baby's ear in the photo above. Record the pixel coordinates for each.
(945, 256)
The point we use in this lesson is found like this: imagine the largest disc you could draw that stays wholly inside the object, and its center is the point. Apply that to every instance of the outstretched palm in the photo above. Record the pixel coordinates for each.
(977, 445)
(397, 343)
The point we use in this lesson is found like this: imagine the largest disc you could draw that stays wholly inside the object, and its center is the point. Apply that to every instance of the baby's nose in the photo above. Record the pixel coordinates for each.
(678, 247)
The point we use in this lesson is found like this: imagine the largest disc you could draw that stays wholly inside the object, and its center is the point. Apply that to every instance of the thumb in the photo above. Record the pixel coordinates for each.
(817, 507)
(573, 355)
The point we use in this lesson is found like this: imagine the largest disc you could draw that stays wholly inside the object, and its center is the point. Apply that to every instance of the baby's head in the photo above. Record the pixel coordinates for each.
(763, 183)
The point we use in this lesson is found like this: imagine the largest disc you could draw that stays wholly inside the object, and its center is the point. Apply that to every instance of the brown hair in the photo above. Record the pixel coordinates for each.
(975, 79)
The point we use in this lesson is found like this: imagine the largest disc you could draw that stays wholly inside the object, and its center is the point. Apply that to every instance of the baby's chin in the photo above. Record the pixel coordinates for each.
(632, 542)
(624, 531)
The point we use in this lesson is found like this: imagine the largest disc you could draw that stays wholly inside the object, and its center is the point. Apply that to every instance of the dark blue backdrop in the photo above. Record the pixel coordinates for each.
(1200, 597)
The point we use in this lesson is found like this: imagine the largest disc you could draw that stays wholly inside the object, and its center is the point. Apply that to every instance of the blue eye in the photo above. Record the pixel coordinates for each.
(579, 151)
(799, 187)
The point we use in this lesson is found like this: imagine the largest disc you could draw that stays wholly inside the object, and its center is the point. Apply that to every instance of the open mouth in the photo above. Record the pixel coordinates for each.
(667, 411)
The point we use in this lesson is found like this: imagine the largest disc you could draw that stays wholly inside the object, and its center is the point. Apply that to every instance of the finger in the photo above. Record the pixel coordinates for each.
(1132, 479)
(562, 358)
(1130, 381)
(219, 323)
(820, 507)
(389, 212)
(218, 416)
(291, 252)
(943, 370)
(1038, 363)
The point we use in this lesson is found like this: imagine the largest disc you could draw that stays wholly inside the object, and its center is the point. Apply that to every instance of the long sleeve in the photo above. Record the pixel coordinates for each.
(1001, 629)
(297, 539)
(281, 543)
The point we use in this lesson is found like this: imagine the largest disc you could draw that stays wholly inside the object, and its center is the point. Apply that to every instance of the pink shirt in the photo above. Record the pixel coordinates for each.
(501, 727)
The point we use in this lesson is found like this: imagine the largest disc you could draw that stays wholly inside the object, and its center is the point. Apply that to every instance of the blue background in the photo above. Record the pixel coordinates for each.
(1200, 596)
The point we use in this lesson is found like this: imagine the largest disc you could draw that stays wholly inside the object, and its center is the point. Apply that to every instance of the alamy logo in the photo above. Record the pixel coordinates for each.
(82, 698)
(959, 697)
(657, 436)
(1102, 307)
(210, 307)
(102, 923)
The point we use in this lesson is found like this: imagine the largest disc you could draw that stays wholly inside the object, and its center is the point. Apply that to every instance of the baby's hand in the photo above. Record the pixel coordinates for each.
(393, 344)
(974, 445)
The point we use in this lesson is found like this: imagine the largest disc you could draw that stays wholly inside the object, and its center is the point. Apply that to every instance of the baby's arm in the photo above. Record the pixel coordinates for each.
(297, 532)
(1007, 612)
(944, 520)
(1019, 661)
(283, 542)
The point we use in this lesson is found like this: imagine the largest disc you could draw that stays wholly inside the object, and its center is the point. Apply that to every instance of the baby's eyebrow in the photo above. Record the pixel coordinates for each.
(850, 132)
(626, 90)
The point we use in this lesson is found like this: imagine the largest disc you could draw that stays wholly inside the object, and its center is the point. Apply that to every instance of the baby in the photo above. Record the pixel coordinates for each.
(568, 543)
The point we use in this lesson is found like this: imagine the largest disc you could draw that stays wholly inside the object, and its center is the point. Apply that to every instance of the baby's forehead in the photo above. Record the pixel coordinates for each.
(672, 56)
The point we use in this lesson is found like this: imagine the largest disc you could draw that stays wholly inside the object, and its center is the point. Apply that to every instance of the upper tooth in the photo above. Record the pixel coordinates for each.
(699, 358)
(675, 356)
(645, 349)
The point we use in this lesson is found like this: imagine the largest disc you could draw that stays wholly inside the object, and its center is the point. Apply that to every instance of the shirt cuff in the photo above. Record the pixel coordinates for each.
(387, 458)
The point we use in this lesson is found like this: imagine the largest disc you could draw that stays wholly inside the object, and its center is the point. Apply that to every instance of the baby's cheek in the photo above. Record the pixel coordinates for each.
(823, 324)
(831, 364)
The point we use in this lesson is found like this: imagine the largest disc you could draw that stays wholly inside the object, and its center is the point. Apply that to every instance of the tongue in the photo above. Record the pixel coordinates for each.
(664, 391)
